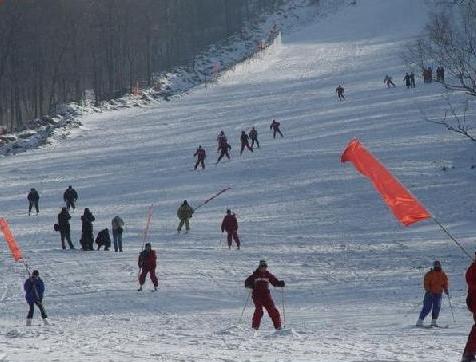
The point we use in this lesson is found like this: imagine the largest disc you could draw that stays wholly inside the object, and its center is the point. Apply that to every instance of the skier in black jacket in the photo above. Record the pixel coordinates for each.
(70, 196)
(244, 142)
(33, 198)
(87, 236)
(64, 228)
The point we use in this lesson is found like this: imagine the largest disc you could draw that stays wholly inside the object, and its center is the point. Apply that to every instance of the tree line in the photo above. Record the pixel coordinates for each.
(51, 51)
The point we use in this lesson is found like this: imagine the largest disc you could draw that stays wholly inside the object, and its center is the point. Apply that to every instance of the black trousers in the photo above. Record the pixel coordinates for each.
(65, 234)
(32, 310)
(33, 203)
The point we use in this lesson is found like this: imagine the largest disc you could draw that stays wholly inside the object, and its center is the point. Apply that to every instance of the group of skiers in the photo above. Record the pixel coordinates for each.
(70, 197)
(224, 146)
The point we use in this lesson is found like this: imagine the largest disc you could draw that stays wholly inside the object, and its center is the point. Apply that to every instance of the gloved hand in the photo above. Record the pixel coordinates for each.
(281, 284)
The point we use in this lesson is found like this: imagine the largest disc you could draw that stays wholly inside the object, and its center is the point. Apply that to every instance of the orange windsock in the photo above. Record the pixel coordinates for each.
(10, 239)
(406, 208)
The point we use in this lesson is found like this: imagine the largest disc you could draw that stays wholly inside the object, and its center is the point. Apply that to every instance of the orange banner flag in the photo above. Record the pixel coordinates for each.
(11, 242)
(406, 208)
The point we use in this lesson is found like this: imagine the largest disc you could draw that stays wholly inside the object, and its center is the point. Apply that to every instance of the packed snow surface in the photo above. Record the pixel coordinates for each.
(353, 274)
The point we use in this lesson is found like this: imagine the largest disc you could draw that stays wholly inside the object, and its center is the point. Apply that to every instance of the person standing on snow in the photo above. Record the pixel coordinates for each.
(221, 138)
(388, 81)
(412, 79)
(259, 282)
(201, 155)
(340, 93)
(64, 228)
(244, 142)
(87, 236)
(275, 127)
(184, 213)
(147, 263)
(70, 196)
(254, 137)
(230, 225)
(117, 228)
(435, 283)
(33, 198)
(223, 148)
(407, 80)
(470, 348)
(34, 289)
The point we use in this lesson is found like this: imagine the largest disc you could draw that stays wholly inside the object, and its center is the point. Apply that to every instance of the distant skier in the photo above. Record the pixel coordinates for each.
(221, 138)
(340, 93)
(201, 155)
(407, 80)
(275, 127)
(388, 81)
(64, 228)
(244, 138)
(254, 137)
(470, 348)
(435, 283)
(224, 149)
(184, 213)
(412, 79)
(117, 229)
(147, 263)
(33, 198)
(34, 290)
(70, 196)
(230, 225)
(87, 236)
(103, 238)
(259, 282)
(440, 74)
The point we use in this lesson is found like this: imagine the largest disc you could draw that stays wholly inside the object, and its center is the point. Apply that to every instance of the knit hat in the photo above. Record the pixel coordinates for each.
(148, 245)
(436, 264)
(228, 211)
(262, 263)
(35, 273)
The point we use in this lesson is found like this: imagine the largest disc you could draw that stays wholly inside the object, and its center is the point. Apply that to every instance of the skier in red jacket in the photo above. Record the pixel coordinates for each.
(147, 263)
(201, 155)
(230, 225)
(470, 348)
(259, 282)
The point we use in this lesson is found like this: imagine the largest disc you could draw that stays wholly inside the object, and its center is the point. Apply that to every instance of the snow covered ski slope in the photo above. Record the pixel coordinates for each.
(353, 274)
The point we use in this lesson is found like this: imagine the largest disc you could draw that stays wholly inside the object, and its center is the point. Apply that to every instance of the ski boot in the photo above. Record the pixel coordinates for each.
(140, 289)
(419, 323)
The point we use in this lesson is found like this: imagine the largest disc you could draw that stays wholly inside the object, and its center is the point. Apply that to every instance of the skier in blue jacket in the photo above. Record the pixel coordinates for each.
(34, 289)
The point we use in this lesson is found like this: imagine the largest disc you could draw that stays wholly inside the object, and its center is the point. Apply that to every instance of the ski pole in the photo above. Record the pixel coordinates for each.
(451, 308)
(244, 307)
(284, 308)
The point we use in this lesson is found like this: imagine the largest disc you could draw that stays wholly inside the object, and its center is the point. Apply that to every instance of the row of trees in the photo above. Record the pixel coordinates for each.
(51, 51)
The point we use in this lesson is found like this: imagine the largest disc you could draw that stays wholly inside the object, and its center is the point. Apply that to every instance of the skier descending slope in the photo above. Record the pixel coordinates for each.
(435, 283)
(470, 348)
(230, 225)
(33, 198)
(259, 282)
(147, 263)
(244, 138)
(201, 155)
(184, 213)
(34, 289)
(275, 127)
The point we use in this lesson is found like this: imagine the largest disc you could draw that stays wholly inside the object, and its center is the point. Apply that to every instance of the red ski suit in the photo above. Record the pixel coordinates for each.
(470, 347)
(259, 282)
(148, 262)
(230, 225)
